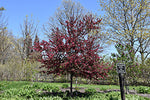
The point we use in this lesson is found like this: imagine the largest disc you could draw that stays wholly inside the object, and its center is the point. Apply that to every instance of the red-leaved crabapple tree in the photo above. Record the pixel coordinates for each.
(74, 52)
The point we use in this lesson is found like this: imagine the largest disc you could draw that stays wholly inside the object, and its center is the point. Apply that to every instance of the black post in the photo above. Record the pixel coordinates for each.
(71, 76)
(121, 86)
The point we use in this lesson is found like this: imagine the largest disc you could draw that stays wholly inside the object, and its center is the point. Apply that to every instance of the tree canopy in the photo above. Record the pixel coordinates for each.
(74, 52)
(127, 22)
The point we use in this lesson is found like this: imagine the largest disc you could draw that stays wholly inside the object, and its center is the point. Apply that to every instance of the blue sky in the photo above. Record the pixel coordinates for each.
(16, 11)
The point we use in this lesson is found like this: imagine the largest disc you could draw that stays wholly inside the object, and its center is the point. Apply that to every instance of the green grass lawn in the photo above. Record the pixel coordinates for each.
(22, 90)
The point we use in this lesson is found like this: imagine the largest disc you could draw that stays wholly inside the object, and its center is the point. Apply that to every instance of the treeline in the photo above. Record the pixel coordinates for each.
(125, 24)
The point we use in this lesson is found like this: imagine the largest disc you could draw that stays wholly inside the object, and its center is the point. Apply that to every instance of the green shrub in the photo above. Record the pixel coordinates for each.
(36, 85)
(27, 87)
(28, 93)
(33, 86)
(56, 98)
(47, 88)
(142, 89)
(76, 88)
(10, 93)
(65, 86)
(55, 89)
(90, 91)
(50, 88)
(2, 86)
(103, 89)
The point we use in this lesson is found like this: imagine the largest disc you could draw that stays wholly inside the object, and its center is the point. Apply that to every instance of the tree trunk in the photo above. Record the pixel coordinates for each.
(71, 79)
(132, 54)
(142, 58)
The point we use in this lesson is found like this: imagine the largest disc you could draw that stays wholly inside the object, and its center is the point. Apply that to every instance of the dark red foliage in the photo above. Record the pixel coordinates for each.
(75, 51)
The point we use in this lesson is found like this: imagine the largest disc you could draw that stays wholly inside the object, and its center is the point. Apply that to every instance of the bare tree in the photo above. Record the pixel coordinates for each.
(128, 22)
(5, 45)
(28, 30)
(5, 41)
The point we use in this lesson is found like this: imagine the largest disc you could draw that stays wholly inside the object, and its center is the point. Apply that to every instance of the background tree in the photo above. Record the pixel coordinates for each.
(123, 55)
(28, 30)
(5, 45)
(5, 39)
(22, 49)
(74, 52)
(127, 21)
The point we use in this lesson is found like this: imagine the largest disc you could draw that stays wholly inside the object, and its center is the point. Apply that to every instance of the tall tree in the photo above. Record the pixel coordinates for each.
(64, 12)
(5, 41)
(28, 30)
(74, 52)
(123, 55)
(128, 22)
(5, 45)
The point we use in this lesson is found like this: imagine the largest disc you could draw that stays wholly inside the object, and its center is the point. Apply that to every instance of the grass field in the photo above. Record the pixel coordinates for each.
(23, 90)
